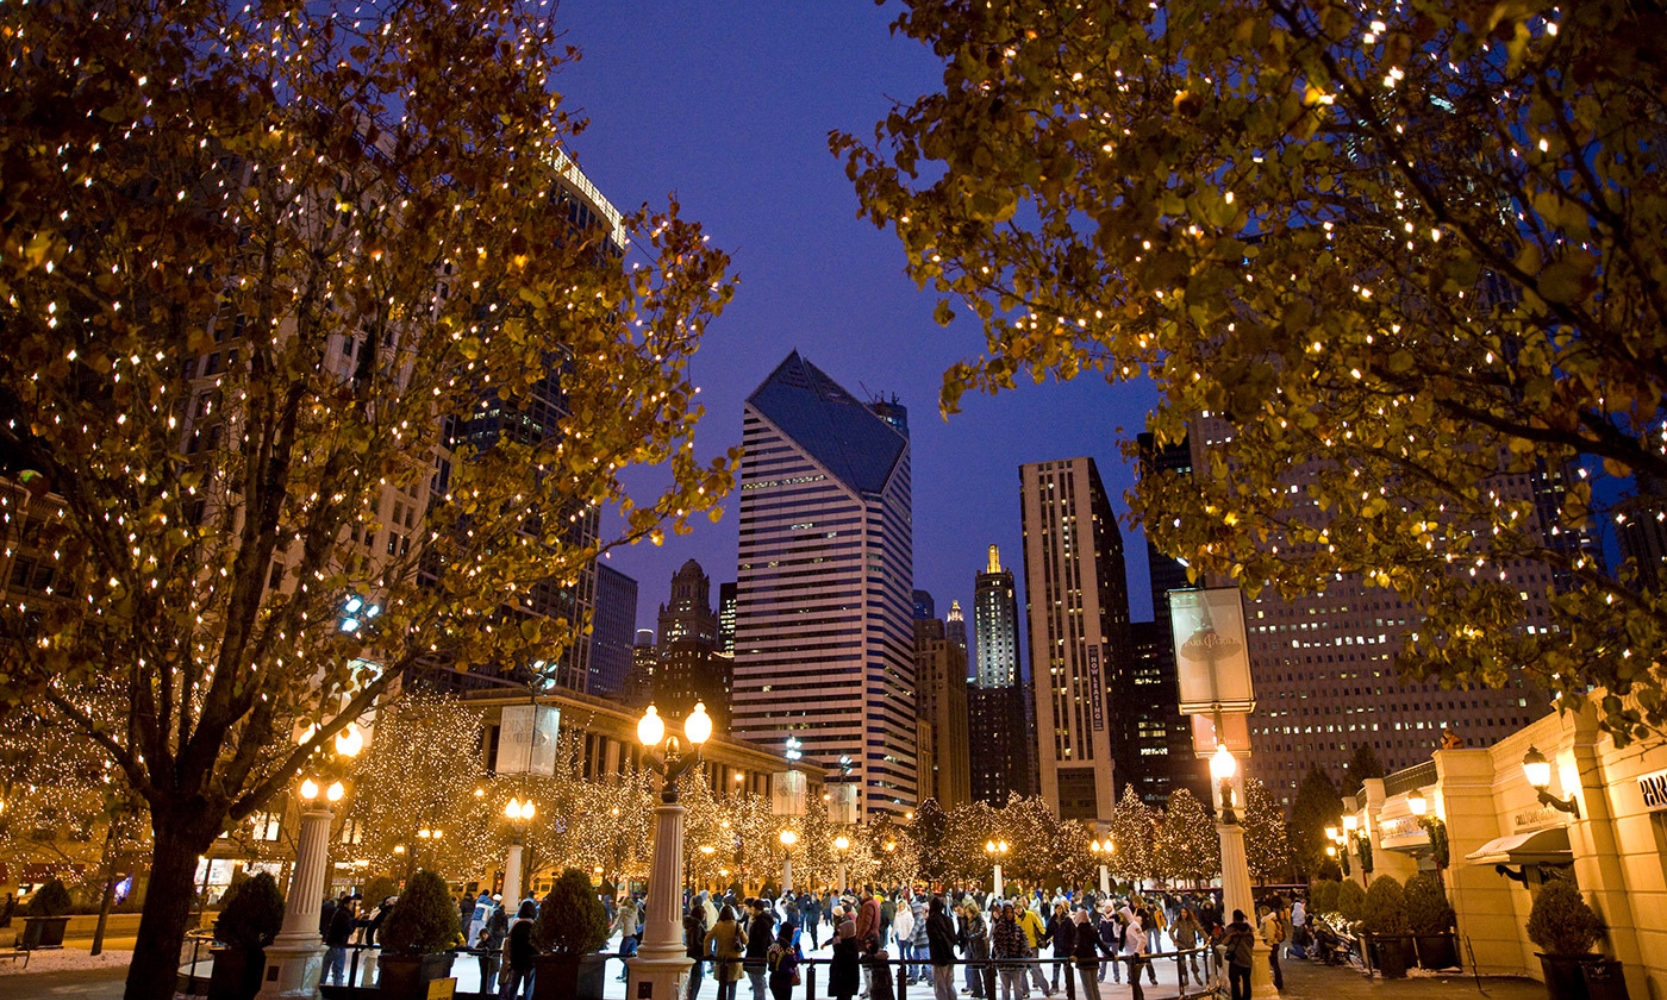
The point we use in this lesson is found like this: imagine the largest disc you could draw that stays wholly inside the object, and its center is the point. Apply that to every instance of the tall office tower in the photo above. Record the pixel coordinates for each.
(999, 727)
(726, 618)
(925, 608)
(611, 635)
(638, 690)
(824, 640)
(1161, 735)
(1077, 601)
(944, 763)
(1323, 667)
(1643, 532)
(955, 627)
(690, 669)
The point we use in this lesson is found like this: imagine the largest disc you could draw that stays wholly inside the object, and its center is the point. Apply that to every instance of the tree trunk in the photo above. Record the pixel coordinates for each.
(111, 839)
(154, 973)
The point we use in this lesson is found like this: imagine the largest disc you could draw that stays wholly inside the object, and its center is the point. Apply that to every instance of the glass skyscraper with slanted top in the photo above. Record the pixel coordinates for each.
(824, 630)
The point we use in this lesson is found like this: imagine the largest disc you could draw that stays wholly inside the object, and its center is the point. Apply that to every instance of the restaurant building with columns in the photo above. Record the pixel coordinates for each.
(1504, 841)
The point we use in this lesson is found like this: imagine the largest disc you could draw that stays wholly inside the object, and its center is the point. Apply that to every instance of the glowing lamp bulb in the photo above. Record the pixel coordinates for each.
(1537, 768)
(1223, 765)
(309, 790)
(350, 741)
(698, 726)
(651, 729)
(335, 792)
(1416, 804)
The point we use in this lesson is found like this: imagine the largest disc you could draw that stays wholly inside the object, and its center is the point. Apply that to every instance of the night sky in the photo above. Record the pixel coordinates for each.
(729, 106)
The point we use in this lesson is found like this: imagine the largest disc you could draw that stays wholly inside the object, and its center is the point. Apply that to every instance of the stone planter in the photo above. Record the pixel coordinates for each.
(1582, 977)
(1391, 954)
(406, 977)
(42, 932)
(1604, 979)
(1437, 951)
(236, 973)
(569, 977)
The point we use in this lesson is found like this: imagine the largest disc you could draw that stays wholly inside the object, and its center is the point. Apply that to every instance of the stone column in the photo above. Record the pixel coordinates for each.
(662, 961)
(1236, 895)
(512, 877)
(295, 958)
(998, 879)
(787, 874)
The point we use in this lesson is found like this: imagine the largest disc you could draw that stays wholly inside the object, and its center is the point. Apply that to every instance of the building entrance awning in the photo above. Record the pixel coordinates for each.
(1549, 846)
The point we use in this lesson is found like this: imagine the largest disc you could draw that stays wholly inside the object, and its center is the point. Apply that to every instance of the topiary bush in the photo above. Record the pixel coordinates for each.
(424, 920)
(50, 900)
(1561, 922)
(1351, 899)
(252, 913)
(571, 920)
(1427, 909)
(1323, 896)
(1386, 907)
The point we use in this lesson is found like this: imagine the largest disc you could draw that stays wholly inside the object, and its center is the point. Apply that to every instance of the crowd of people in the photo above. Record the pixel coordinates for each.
(997, 941)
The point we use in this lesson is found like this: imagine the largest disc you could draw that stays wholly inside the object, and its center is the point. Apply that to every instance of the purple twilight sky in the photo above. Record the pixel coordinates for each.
(729, 105)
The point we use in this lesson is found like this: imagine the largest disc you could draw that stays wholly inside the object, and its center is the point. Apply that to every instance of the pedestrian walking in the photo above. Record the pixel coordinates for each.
(1274, 932)
(1239, 943)
(726, 941)
(337, 937)
(625, 924)
(519, 952)
(760, 936)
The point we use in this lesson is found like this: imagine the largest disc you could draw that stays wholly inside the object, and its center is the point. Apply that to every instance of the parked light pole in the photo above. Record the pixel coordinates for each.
(1102, 852)
(662, 961)
(1235, 871)
(788, 839)
(996, 849)
(519, 815)
(295, 958)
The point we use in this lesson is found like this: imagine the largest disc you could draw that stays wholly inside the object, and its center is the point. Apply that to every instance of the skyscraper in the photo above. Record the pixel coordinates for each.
(638, 690)
(611, 635)
(999, 728)
(1077, 601)
(925, 607)
(1160, 736)
(726, 618)
(955, 627)
(941, 709)
(690, 669)
(824, 639)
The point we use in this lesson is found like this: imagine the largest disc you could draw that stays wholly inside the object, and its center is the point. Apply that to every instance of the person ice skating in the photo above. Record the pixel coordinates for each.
(1086, 950)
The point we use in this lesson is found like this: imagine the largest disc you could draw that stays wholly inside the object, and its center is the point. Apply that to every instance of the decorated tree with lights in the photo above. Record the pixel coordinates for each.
(423, 771)
(967, 829)
(1187, 849)
(1267, 846)
(1406, 263)
(927, 831)
(324, 362)
(1073, 863)
(1317, 806)
(1133, 826)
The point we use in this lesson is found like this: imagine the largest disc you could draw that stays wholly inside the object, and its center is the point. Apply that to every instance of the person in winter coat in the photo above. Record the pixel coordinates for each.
(727, 942)
(783, 961)
(1134, 948)
(940, 949)
(903, 927)
(1188, 934)
(337, 937)
(1275, 929)
(810, 907)
(922, 971)
(1036, 935)
(1009, 947)
(843, 978)
(975, 947)
(520, 951)
(490, 942)
(1086, 949)
(760, 935)
(694, 941)
(1062, 932)
(1148, 921)
(625, 924)
(1239, 942)
(1111, 928)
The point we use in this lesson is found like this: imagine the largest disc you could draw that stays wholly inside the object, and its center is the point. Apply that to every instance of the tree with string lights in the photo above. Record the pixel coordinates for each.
(1133, 825)
(1187, 849)
(1402, 265)
(1267, 845)
(322, 360)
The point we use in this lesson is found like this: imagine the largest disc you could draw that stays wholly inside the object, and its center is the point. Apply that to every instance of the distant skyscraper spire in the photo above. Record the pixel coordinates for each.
(995, 560)
(955, 626)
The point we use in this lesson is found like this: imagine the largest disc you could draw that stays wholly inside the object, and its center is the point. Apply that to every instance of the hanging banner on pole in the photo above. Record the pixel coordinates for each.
(527, 740)
(1235, 733)
(842, 804)
(1212, 657)
(787, 793)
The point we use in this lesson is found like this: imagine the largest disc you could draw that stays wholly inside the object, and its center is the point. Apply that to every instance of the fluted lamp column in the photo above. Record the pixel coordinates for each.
(519, 815)
(657, 970)
(1235, 871)
(295, 958)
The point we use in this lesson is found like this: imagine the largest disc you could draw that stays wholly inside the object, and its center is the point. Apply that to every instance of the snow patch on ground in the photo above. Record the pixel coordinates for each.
(65, 960)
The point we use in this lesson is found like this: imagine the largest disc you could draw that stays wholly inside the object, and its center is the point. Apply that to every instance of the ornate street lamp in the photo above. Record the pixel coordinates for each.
(295, 958)
(788, 839)
(1102, 852)
(842, 844)
(519, 815)
(662, 960)
(996, 849)
(1235, 869)
(1537, 768)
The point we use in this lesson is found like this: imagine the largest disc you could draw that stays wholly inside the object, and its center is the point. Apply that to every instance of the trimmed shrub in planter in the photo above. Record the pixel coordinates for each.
(1431, 920)
(252, 915)
(46, 916)
(1562, 924)
(1351, 900)
(416, 937)
(571, 926)
(1385, 918)
(1322, 896)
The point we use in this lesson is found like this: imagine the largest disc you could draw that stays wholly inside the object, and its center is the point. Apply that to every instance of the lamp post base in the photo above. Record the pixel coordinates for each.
(657, 971)
(299, 959)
